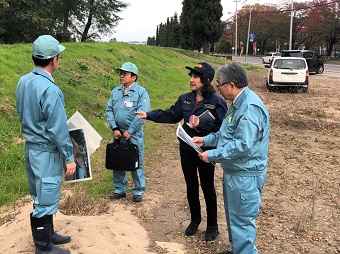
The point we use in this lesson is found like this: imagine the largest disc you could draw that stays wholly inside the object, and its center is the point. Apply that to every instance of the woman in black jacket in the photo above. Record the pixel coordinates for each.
(189, 107)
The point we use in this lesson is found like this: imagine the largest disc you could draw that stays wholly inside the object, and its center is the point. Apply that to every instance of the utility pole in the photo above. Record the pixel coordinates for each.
(291, 27)
(236, 27)
(247, 48)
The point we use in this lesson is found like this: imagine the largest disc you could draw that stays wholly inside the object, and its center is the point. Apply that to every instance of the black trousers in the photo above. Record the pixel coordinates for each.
(191, 163)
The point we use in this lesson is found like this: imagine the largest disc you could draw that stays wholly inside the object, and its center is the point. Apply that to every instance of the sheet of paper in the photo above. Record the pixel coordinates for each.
(92, 137)
(186, 138)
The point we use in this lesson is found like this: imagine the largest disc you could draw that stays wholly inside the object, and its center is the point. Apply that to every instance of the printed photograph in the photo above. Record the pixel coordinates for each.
(81, 157)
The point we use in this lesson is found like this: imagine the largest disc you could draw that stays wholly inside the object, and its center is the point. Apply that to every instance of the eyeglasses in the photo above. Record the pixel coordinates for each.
(218, 85)
(123, 73)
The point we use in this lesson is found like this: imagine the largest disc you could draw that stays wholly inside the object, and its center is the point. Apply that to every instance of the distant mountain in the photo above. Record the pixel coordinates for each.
(137, 42)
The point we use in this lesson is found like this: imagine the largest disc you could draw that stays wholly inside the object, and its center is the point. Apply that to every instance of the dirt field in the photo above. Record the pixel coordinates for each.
(300, 208)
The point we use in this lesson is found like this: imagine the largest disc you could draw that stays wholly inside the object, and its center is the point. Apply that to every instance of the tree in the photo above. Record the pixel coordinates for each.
(176, 32)
(168, 34)
(151, 41)
(162, 35)
(331, 34)
(321, 25)
(25, 20)
(269, 24)
(157, 36)
(98, 17)
(87, 19)
(223, 46)
(67, 12)
(201, 24)
(188, 5)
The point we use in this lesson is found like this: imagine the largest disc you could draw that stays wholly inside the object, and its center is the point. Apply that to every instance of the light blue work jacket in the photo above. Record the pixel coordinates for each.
(121, 108)
(40, 105)
(242, 141)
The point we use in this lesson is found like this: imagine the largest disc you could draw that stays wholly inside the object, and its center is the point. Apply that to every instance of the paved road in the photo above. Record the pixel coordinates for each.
(331, 70)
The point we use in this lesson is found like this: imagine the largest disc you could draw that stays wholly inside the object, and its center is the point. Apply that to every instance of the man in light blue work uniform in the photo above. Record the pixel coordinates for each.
(242, 149)
(124, 101)
(48, 147)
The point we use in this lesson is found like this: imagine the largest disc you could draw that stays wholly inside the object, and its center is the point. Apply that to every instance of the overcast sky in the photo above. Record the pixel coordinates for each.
(141, 18)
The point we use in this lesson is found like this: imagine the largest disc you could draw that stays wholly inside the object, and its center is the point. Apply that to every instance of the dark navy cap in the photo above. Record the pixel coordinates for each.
(204, 69)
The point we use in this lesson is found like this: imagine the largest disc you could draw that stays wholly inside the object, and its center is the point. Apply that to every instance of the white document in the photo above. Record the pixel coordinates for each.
(186, 138)
(77, 121)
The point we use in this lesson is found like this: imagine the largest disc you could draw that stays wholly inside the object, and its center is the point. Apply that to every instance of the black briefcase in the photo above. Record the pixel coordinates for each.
(122, 156)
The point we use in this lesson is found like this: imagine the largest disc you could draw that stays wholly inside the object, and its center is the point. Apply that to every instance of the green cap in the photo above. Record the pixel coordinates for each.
(46, 47)
(129, 67)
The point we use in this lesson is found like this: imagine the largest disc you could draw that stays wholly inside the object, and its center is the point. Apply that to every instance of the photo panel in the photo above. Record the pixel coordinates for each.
(81, 156)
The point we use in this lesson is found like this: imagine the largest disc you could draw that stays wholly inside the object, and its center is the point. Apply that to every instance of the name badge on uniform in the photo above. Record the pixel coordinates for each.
(128, 104)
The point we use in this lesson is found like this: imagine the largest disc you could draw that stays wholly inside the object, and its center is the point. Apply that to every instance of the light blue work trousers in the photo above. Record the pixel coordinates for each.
(242, 198)
(44, 167)
(120, 181)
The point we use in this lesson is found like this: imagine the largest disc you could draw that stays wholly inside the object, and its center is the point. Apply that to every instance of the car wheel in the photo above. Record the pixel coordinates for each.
(320, 70)
(268, 87)
(304, 89)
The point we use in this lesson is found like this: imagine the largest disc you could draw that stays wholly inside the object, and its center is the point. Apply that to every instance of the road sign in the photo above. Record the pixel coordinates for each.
(228, 26)
(252, 37)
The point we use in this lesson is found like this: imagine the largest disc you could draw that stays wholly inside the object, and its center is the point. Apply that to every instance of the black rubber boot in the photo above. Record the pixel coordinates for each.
(57, 238)
(41, 232)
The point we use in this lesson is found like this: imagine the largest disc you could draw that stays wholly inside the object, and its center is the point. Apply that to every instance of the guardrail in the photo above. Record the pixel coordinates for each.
(229, 57)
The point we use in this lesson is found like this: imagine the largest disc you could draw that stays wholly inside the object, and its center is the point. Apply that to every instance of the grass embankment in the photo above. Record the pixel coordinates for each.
(86, 75)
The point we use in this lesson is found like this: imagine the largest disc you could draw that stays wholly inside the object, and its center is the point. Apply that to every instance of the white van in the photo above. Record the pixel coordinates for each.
(288, 72)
